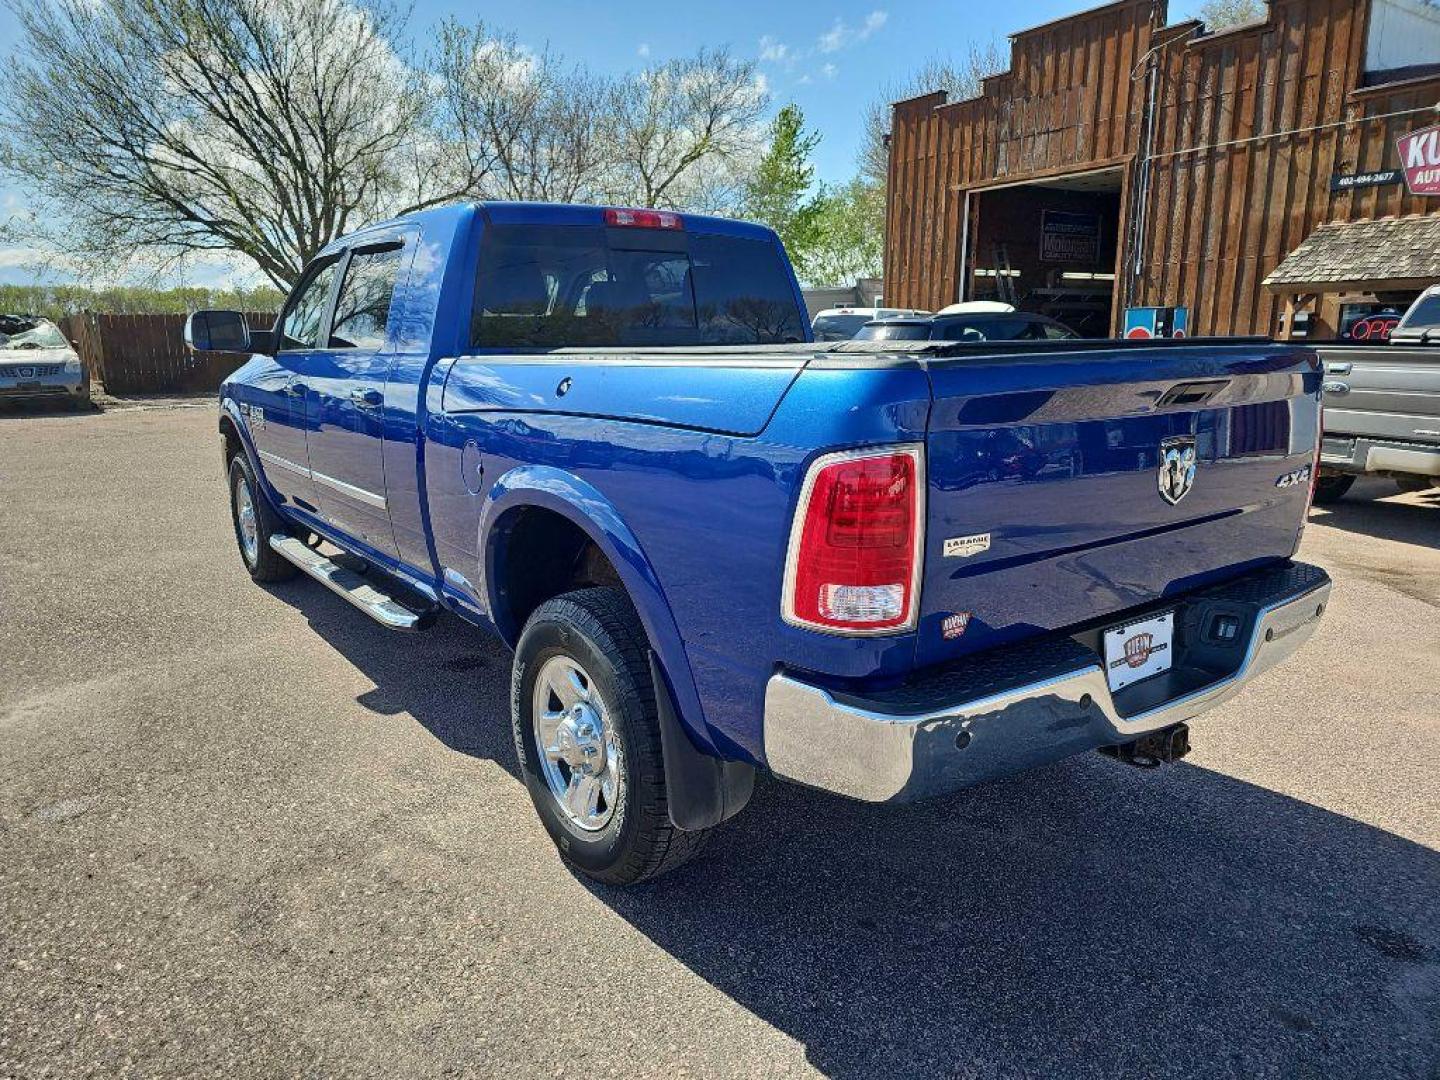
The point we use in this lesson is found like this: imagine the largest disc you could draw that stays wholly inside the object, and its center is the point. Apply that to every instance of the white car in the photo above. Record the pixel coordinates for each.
(977, 307)
(38, 364)
(841, 323)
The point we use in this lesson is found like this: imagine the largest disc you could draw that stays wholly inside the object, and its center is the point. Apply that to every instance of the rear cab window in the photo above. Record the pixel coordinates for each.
(838, 327)
(894, 332)
(552, 286)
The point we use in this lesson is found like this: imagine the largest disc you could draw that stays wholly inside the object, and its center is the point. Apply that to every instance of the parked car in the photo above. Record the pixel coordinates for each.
(38, 364)
(1382, 406)
(840, 323)
(884, 573)
(972, 307)
(980, 326)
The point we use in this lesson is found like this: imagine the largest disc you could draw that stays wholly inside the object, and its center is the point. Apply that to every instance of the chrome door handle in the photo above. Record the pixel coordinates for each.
(1335, 386)
(367, 397)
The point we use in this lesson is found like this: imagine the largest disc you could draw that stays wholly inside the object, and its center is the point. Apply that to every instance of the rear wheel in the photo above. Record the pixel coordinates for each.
(1332, 488)
(255, 522)
(586, 731)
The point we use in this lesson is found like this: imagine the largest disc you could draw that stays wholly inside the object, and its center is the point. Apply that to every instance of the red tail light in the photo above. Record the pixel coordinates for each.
(643, 219)
(854, 561)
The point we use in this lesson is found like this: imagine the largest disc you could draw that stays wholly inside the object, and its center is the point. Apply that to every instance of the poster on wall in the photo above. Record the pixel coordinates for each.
(1420, 158)
(1067, 237)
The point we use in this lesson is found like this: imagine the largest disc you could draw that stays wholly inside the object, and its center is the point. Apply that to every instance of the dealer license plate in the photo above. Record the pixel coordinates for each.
(1139, 650)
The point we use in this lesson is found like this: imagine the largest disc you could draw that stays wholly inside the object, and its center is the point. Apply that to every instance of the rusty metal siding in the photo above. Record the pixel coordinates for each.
(1068, 102)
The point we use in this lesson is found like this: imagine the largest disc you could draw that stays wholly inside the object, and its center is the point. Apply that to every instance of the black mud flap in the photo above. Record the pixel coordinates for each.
(702, 790)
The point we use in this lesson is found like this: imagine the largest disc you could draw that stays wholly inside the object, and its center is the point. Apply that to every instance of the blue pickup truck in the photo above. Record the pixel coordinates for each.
(884, 569)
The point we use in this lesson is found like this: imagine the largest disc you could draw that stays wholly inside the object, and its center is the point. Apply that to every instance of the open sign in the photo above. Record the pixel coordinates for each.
(1420, 158)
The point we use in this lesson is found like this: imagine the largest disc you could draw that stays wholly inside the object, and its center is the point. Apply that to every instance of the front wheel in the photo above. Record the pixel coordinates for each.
(586, 731)
(255, 522)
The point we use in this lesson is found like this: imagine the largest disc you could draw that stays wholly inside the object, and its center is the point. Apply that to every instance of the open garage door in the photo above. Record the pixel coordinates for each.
(1049, 247)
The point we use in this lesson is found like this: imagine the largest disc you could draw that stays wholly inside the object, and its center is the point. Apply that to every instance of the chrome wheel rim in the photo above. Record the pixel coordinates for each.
(246, 526)
(580, 754)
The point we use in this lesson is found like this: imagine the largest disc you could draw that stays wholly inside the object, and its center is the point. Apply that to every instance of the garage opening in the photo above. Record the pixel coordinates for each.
(1048, 247)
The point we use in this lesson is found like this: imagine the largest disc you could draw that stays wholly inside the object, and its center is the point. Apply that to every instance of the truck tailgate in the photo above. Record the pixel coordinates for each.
(1060, 488)
(1385, 392)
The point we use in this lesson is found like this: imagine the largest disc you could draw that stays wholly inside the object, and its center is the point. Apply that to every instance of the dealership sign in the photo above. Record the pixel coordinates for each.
(1070, 238)
(1420, 158)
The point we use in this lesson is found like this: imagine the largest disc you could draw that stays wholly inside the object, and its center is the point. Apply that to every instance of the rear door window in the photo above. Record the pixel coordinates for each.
(362, 310)
(556, 286)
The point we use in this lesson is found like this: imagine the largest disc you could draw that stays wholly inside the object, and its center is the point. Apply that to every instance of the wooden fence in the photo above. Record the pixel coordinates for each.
(146, 354)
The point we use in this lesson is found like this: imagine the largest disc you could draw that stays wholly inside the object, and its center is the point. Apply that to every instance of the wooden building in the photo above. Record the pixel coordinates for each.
(1123, 162)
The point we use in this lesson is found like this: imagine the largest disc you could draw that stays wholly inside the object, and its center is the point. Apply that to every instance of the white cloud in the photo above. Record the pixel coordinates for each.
(772, 50)
(643, 49)
(20, 258)
(842, 35)
(834, 39)
(829, 70)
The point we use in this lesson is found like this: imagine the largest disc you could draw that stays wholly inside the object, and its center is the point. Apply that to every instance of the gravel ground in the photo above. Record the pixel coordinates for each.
(244, 831)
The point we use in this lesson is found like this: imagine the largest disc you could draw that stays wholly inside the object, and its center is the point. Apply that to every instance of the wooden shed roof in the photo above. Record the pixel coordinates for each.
(1396, 252)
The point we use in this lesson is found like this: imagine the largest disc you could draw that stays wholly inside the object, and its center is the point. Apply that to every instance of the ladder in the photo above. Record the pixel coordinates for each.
(1004, 283)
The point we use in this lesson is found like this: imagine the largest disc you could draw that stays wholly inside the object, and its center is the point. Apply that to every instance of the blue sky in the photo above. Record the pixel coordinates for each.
(828, 56)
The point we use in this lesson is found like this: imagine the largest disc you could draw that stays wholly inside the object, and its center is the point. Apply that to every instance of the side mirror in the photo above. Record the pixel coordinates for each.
(217, 331)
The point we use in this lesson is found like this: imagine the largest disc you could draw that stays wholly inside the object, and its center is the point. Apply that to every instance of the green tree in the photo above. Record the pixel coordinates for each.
(847, 239)
(779, 194)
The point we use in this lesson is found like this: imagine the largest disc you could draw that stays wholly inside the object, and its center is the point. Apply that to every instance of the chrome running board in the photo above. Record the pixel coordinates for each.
(346, 583)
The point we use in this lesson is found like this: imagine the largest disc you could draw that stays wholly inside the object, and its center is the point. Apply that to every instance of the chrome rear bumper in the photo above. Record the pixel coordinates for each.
(1021, 706)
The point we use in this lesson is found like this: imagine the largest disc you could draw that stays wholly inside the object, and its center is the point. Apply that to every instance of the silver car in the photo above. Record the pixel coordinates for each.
(38, 364)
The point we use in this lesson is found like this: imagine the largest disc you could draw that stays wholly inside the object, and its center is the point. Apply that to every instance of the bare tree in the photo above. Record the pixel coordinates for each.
(147, 132)
(159, 129)
(1221, 14)
(681, 126)
(528, 122)
(960, 76)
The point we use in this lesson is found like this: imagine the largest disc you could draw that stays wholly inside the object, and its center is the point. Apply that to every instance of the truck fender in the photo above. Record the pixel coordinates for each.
(230, 414)
(554, 489)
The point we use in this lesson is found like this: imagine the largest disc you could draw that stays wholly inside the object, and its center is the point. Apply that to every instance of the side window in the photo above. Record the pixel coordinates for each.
(307, 309)
(1426, 313)
(363, 306)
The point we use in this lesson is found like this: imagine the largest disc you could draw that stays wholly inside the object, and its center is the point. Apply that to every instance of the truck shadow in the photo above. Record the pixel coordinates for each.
(1082, 918)
(1370, 509)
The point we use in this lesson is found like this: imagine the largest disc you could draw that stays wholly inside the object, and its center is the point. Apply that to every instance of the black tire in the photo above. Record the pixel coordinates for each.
(600, 631)
(264, 564)
(1329, 489)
